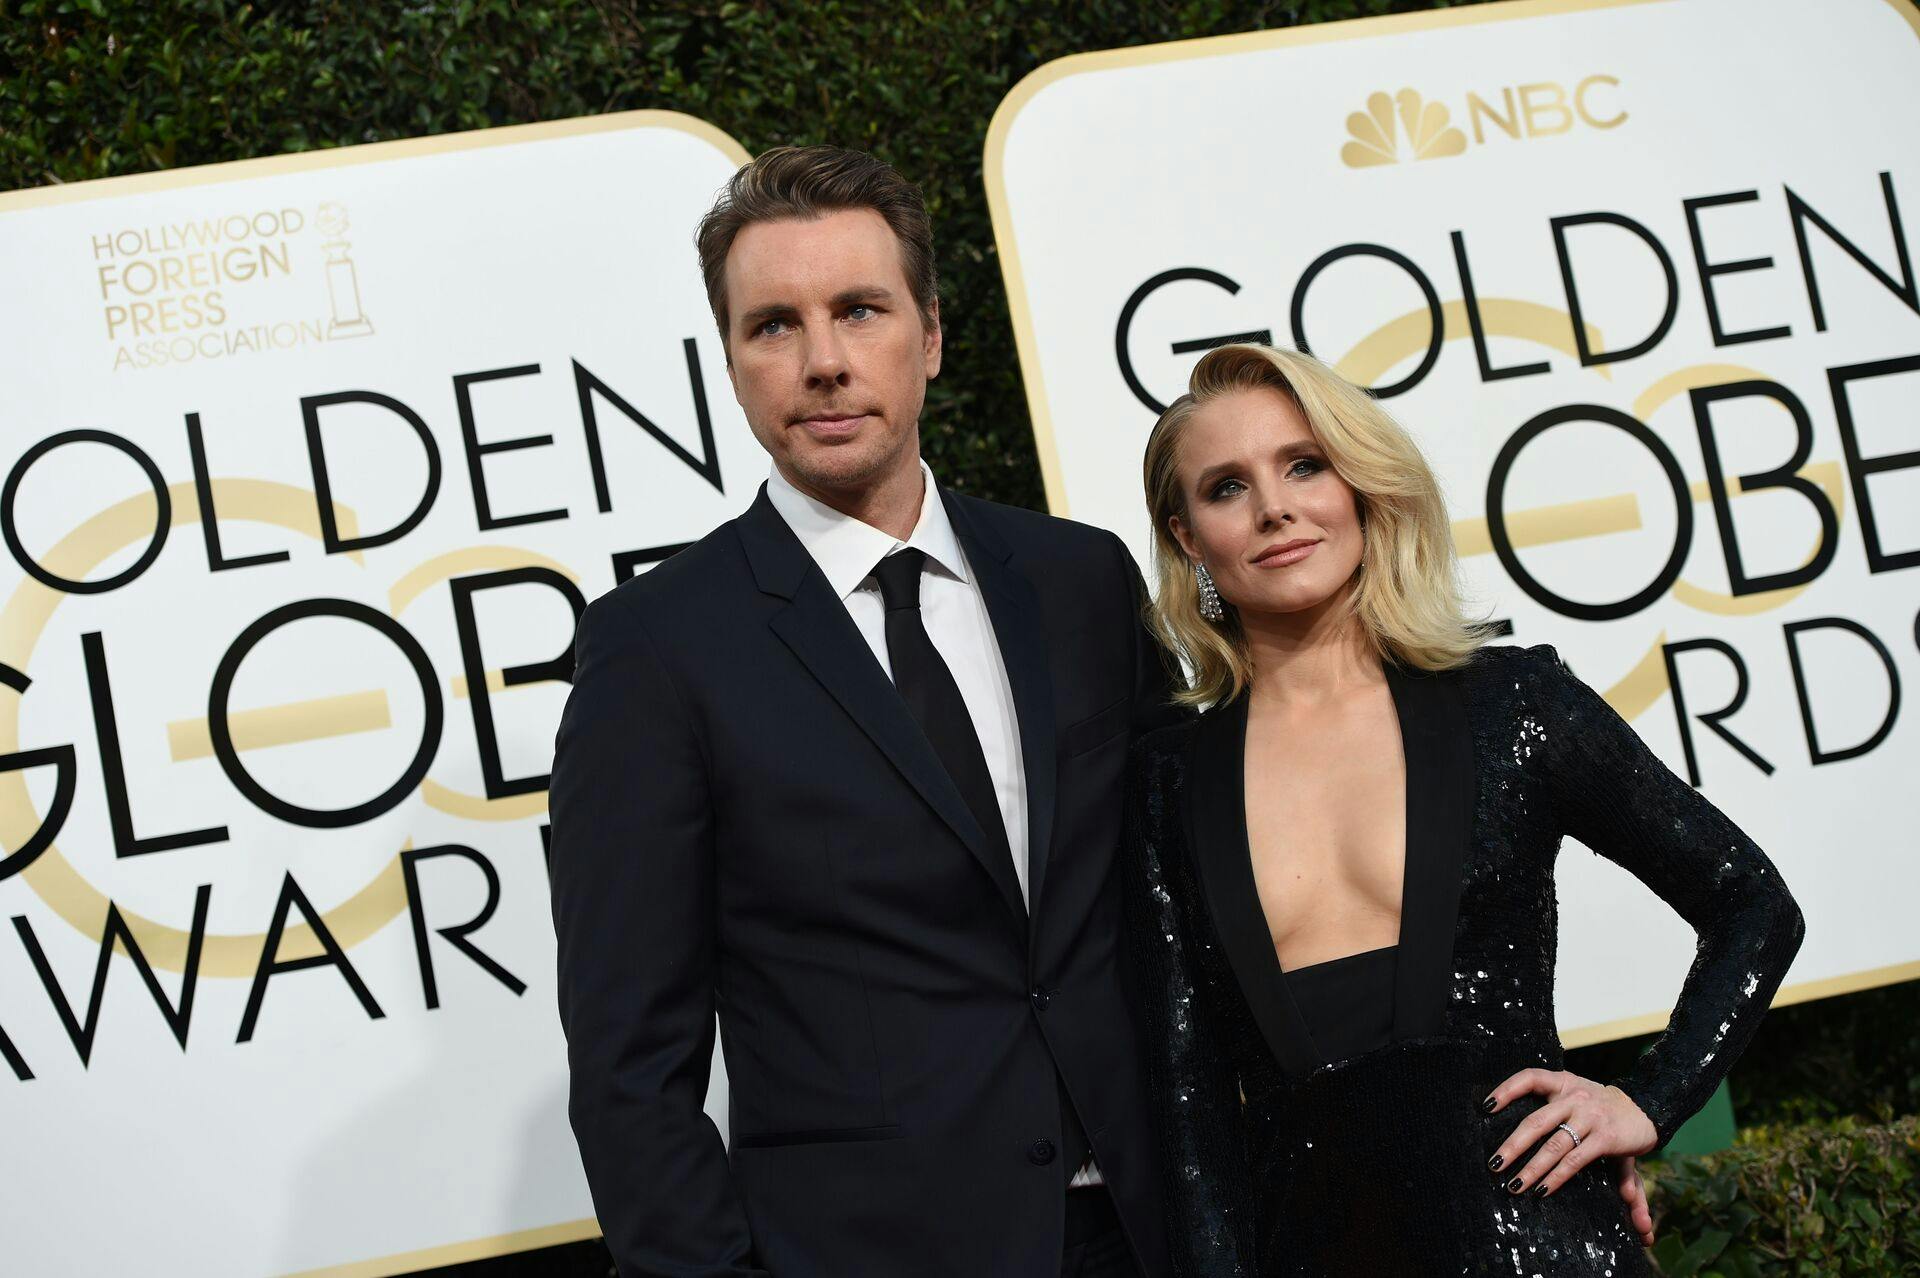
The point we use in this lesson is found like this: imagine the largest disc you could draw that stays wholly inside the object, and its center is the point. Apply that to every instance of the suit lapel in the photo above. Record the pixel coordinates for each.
(1013, 605)
(1438, 747)
(1217, 835)
(815, 626)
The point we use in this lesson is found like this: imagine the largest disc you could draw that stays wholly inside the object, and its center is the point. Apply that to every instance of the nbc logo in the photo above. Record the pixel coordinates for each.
(1408, 127)
(1420, 132)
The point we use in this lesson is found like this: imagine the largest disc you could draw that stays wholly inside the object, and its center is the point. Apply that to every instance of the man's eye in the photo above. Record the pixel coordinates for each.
(770, 328)
(859, 311)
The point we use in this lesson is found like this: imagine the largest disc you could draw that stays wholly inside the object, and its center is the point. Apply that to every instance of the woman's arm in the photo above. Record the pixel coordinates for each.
(1193, 1090)
(1614, 795)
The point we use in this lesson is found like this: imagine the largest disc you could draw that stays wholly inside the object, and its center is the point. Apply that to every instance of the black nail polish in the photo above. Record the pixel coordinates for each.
(1486, 1106)
(1540, 1190)
(1496, 1163)
(1513, 1186)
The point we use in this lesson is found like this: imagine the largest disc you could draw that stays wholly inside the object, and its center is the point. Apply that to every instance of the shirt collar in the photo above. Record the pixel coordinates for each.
(847, 549)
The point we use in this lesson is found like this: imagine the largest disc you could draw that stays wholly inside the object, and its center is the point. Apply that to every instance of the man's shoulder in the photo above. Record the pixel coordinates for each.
(1025, 529)
(700, 574)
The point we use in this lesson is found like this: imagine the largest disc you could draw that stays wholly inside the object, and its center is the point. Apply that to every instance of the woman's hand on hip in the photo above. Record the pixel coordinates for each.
(1581, 1121)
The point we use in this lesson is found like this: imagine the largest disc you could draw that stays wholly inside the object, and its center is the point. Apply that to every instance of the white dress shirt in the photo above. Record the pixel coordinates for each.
(952, 609)
(955, 615)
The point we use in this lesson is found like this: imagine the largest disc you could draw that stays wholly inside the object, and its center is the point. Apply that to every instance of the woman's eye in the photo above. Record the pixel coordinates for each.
(1305, 466)
(1225, 488)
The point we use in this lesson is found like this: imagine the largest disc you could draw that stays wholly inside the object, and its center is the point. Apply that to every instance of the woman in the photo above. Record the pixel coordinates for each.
(1342, 874)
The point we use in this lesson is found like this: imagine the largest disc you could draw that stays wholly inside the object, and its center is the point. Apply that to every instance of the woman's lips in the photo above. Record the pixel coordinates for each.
(1291, 552)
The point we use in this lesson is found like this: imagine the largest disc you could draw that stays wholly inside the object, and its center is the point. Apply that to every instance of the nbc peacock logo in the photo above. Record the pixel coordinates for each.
(1402, 127)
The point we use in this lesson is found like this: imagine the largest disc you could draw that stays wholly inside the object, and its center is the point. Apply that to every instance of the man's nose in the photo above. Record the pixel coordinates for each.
(826, 357)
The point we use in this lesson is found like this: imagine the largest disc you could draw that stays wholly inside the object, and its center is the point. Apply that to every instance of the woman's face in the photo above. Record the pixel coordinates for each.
(1267, 515)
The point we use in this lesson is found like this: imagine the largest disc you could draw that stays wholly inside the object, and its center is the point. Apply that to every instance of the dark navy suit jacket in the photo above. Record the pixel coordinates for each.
(748, 820)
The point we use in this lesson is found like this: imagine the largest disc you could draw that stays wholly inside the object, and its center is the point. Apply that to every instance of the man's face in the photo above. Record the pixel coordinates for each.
(827, 353)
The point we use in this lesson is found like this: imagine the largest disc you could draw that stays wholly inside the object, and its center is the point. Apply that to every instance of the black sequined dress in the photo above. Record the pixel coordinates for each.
(1284, 1162)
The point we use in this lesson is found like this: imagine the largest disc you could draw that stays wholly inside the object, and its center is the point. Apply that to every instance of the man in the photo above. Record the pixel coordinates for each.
(847, 771)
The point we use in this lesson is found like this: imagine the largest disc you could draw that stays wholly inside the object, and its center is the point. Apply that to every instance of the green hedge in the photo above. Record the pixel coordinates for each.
(1812, 1202)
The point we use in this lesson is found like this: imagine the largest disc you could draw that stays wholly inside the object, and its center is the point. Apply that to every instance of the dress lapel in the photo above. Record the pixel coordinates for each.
(815, 625)
(1217, 835)
(1438, 746)
(1013, 605)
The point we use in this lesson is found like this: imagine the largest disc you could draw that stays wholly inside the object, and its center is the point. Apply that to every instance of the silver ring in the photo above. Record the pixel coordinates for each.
(1572, 1135)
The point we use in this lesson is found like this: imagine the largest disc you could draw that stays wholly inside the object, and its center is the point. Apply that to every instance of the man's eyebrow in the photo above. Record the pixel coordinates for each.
(863, 293)
(761, 314)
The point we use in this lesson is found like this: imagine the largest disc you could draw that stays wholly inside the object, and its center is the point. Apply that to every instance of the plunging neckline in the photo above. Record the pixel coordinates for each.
(1406, 826)
(1436, 746)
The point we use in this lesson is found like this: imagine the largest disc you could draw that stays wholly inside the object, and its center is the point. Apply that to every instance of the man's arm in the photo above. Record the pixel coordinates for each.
(1155, 671)
(633, 910)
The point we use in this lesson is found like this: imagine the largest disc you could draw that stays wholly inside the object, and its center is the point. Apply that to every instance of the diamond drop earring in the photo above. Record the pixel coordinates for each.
(1210, 608)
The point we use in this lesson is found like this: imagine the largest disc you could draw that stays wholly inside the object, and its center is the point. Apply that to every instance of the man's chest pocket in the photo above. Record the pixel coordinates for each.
(1096, 730)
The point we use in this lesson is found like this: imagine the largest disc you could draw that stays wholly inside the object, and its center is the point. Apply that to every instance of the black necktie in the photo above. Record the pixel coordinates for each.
(930, 692)
(927, 686)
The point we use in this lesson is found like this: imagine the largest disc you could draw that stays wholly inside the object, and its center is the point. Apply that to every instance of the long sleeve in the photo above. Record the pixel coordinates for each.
(1154, 668)
(1194, 1092)
(633, 909)
(1614, 795)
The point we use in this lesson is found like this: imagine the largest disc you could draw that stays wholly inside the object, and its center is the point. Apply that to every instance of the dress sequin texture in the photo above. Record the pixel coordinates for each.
(1376, 1165)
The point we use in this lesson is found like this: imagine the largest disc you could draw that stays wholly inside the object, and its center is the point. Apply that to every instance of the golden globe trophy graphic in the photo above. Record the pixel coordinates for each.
(343, 285)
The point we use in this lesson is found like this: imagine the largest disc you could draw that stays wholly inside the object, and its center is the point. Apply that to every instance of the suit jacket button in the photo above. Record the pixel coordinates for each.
(1042, 996)
(1040, 1153)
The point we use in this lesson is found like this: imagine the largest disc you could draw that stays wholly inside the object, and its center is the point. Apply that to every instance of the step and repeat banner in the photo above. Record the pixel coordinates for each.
(310, 465)
(1640, 278)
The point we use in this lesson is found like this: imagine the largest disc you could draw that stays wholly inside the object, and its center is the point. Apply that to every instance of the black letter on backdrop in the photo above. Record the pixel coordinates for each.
(559, 668)
(1497, 513)
(15, 1061)
(116, 929)
(221, 730)
(162, 521)
(271, 964)
(330, 536)
(1859, 468)
(64, 772)
(706, 466)
(1436, 318)
(470, 434)
(1652, 241)
(1123, 331)
(1782, 476)
(1488, 373)
(1801, 212)
(1670, 653)
(1814, 752)
(113, 768)
(1710, 269)
(456, 934)
(209, 517)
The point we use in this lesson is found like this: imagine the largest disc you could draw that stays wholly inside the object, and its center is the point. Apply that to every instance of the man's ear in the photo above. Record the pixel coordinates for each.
(931, 340)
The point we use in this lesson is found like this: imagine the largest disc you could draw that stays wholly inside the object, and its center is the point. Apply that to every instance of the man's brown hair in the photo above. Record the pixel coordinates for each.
(807, 182)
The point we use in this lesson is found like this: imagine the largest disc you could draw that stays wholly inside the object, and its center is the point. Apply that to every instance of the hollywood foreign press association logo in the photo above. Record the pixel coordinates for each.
(1400, 128)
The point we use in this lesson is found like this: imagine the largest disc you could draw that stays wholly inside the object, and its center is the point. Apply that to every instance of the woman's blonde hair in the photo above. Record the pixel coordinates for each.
(1406, 594)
